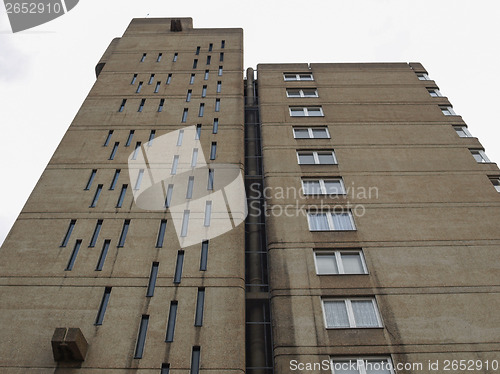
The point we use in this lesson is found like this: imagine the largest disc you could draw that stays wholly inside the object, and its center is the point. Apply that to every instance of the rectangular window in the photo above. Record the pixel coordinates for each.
(91, 179)
(123, 192)
(195, 63)
(185, 223)
(316, 158)
(298, 77)
(213, 151)
(200, 302)
(311, 111)
(165, 368)
(184, 115)
(219, 73)
(188, 96)
(136, 150)
(351, 313)
(447, 110)
(194, 158)
(158, 59)
(206, 75)
(180, 136)
(209, 59)
(113, 151)
(123, 235)
(204, 91)
(139, 88)
(311, 133)
(423, 77)
(217, 105)
(197, 50)
(95, 235)
(175, 163)
(102, 256)
(151, 137)
(222, 44)
(108, 138)
(172, 316)
(210, 185)
(219, 86)
(161, 104)
(122, 106)
(161, 233)
(138, 181)
(221, 56)
(141, 337)
(208, 213)
(134, 78)
(195, 361)
(198, 132)
(334, 186)
(362, 365)
(129, 138)
(201, 111)
(115, 179)
(462, 131)
(157, 88)
(178, 267)
(152, 279)
(434, 92)
(169, 78)
(176, 55)
(210, 47)
(479, 155)
(143, 58)
(190, 186)
(346, 261)
(496, 183)
(168, 198)
(151, 79)
(301, 92)
(141, 105)
(337, 221)
(191, 80)
(103, 306)
(204, 255)
(96, 196)
(71, 226)
(74, 253)
(215, 127)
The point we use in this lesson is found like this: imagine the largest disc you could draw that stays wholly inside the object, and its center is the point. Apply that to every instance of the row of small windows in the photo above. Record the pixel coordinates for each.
(201, 110)
(317, 111)
(197, 52)
(170, 77)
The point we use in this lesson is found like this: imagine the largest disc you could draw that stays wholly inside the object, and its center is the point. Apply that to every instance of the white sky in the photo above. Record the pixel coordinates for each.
(46, 72)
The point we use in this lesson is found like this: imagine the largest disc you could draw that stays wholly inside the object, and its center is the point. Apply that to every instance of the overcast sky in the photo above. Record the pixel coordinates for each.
(46, 72)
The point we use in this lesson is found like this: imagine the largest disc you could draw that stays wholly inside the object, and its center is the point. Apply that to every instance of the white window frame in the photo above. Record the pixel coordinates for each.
(464, 130)
(305, 111)
(360, 362)
(329, 219)
(481, 153)
(301, 92)
(350, 312)
(423, 76)
(434, 92)
(338, 259)
(447, 110)
(316, 157)
(298, 77)
(310, 132)
(496, 183)
(322, 186)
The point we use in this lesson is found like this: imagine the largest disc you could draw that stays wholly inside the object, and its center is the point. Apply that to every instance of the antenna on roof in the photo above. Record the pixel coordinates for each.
(147, 15)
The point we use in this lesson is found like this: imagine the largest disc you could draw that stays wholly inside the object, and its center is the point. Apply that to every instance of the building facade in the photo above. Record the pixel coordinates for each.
(369, 240)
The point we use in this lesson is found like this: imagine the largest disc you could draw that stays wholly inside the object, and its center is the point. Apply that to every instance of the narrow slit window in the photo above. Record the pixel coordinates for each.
(185, 223)
(129, 138)
(176, 56)
(222, 44)
(178, 267)
(209, 59)
(71, 226)
(198, 50)
(221, 56)
(204, 91)
(210, 47)
(74, 253)
(165, 368)
(139, 87)
(123, 235)
(184, 115)
(95, 235)
(188, 96)
(113, 151)
(195, 361)
(220, 71)
(151, 137)
(172, 316)
(195, 63)
(201, 111)
(169, 78)
(200, 303)
(198, 132)
(168, 198)
(194, 158)
(108, 138)
(180, 137)
(161, 233)
(136, 150)
(96, 196)
(152, 279)
(208, 214)
(115, 179)
(175, 163)
(157, 88)
(204, 255)
(141, 337)
(141, 105)
(134, 78)
(91, 179)
(219, 86)
(210, 185)
(190, 186)
(206, 75)
(138, 181)
(123, 192)
(215, 128)
(217, 105)
(213, 151)
(151, 79)
(191, 80)
(102, 256)
(143, 58)
(102, 308)
(158, 59)
(161, 104)
(122, 105)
